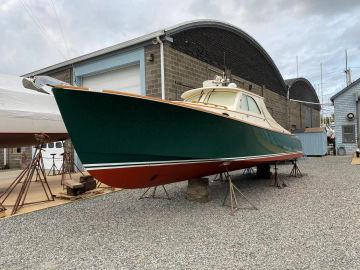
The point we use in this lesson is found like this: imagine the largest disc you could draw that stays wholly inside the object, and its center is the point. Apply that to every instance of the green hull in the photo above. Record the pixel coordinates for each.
(118, 130)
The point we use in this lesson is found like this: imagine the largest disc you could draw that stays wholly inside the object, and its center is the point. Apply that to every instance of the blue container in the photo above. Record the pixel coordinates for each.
(313, 140)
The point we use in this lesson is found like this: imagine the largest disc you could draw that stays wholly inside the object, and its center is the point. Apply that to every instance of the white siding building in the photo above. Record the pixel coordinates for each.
(346, 110)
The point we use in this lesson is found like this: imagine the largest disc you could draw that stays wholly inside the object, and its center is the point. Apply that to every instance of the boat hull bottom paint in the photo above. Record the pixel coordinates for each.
(141, 176)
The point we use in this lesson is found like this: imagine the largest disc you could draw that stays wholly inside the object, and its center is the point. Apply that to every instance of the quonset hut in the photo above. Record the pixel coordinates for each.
(304, 108)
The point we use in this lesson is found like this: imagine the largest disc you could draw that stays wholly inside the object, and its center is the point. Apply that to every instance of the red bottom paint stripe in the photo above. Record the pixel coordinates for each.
(147, 176)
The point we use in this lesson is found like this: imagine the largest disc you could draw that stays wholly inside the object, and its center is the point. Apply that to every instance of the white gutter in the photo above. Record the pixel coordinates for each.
(162, 68)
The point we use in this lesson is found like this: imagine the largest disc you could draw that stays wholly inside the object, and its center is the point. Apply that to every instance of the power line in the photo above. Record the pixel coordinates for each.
(61, 29)
(42, 30)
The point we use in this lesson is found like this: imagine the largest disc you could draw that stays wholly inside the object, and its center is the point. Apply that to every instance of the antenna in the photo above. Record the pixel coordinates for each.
(321, 89)
(347, 70)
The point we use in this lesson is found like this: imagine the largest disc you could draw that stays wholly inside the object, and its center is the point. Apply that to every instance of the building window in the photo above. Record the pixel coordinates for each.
(348, 134)
(58, 145)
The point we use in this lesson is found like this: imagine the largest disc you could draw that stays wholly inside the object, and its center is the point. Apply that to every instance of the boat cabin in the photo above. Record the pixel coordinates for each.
(233, 102)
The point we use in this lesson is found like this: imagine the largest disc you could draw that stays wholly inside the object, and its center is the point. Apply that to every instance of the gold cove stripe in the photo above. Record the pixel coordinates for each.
(174, 162)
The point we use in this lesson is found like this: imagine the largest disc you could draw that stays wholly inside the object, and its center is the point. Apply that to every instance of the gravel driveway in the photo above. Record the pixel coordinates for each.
(314, 223)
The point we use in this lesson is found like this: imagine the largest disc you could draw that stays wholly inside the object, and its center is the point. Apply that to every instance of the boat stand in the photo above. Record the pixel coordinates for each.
(295, 171)
(35, 168)
(153, 195)
(219, 178)
(68, 167)
(249, 171)
(276, 180)
(53, 170)
(232, 189)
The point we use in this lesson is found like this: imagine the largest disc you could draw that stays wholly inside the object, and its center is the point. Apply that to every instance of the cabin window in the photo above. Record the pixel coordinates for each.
(222, 98)
(348, 133)
(249, 104)
(51, 145)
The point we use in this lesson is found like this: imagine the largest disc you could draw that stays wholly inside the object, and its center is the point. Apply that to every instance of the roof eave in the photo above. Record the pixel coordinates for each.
(119, 46)
(344, 90)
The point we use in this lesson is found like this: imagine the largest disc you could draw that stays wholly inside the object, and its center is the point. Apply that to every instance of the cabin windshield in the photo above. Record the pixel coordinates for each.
(222, 98)
(247, 103)
(194, 98)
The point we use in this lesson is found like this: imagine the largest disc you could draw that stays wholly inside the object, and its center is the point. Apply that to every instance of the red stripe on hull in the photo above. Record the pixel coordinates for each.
(154, 175)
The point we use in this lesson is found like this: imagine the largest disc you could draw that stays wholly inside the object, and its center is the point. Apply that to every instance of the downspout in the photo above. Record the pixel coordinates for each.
(162, 68)
(5, 157)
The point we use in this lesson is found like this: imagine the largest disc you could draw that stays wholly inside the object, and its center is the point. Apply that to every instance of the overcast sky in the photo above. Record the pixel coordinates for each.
(316, 31)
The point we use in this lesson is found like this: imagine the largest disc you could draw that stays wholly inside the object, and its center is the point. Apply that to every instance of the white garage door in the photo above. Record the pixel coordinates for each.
(125, 79)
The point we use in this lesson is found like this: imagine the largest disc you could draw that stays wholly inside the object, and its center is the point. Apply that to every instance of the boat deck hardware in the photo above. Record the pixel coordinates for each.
(295, 171)
(276, 180)
(53, 170)
(249, 171)
(35, 168)
(232, 189)
(68, 167)
(153, 195)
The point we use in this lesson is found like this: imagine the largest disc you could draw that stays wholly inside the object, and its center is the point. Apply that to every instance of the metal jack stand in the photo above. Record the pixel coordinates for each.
(295, 171)
(232, 189)
(67, 167)
(220, 179)
(152, 196)
(276, 180)
(249, 171)
(54, 170)
(35, 168)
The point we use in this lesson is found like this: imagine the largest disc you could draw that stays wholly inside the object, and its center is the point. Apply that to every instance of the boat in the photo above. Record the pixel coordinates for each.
(27, 108)
(131, 141)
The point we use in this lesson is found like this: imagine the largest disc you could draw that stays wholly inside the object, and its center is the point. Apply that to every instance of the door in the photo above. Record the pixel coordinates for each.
(125, 79)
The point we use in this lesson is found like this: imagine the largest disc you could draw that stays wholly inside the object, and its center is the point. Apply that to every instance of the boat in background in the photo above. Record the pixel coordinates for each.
(132, 141)
(27, 107)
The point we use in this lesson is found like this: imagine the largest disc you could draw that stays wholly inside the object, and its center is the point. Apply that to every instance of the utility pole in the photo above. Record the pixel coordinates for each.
(321, 90)
(347, 70)
(297, 67)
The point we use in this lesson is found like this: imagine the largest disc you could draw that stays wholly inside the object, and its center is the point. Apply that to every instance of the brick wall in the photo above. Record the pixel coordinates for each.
(62, 75)
(19, 157)
(302, 116)
(1, 157)
(152, 71)
(316, 118)
(183, 72)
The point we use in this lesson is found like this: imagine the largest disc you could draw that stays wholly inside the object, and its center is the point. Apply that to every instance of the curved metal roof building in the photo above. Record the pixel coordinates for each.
(214, 42)
(301, 89)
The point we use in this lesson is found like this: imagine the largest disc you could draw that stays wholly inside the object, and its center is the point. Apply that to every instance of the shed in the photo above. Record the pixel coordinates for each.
(313, 140)
(347, 120)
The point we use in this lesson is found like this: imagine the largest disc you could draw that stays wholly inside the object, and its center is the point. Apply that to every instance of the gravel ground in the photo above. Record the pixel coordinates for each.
(312, 224)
